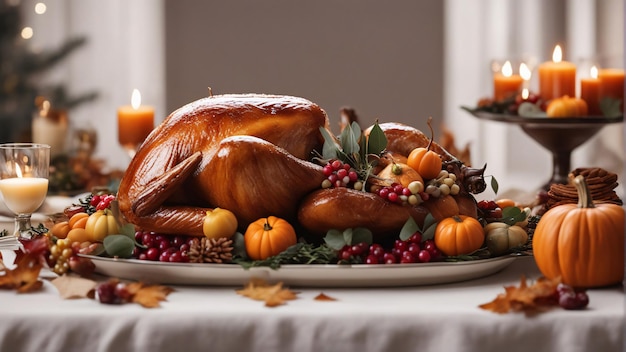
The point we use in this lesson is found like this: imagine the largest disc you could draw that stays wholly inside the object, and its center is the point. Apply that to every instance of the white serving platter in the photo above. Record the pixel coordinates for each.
(361, 275)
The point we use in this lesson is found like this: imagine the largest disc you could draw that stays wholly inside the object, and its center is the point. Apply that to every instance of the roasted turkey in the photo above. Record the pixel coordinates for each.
(251, 154)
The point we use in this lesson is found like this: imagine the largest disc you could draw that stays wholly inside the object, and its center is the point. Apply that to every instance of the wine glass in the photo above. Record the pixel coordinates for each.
(24, 171)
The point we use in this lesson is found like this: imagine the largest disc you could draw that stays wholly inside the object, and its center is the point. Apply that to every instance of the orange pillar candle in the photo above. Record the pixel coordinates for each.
(505, 83)
(590, 92)
(135, 122)
(557, 78)
(612, 84)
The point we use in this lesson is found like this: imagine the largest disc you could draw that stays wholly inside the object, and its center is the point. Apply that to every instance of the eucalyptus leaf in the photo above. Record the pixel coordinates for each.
(349, 144)
(429, 233)
(330, 147)
(377, 141)
(511, 212)
(118, 246)
(362, 235)
(334, 239)
(494, 185)
(429, 220)
(128, 230)
(356, 131)
(239, 245)
(408, 229)
(347, 236)
(513, 215)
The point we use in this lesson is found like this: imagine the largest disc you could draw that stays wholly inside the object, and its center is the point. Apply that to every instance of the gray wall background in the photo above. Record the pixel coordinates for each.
(383, 59)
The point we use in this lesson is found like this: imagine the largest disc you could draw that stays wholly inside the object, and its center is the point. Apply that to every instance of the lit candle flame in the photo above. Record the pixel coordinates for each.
(18, 171)
(557, 54)
(135, 99)
(524, 71)
(507, 69)
(525, 93)
(594, 72)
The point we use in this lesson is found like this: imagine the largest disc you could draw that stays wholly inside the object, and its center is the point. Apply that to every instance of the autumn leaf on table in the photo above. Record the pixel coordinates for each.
(71, 287)
(148, 296)
(25, 276)
(323, 297)
(273, 295)
(528, 299)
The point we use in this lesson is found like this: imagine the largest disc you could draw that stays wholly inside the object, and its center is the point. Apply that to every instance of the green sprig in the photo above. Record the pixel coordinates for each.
(299, 253)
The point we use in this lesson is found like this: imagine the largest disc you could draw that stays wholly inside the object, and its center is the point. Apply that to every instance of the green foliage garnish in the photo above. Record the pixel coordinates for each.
(610, 107)
(239, 246)
(354, 148)
(299, 253)
(336, 239)
(513, 215)
(427, 230)
(494, 185)
(482, 253)
(118, 246)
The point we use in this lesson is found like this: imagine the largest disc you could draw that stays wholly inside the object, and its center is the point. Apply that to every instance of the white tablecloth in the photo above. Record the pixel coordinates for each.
(428, 318)
(437, 318)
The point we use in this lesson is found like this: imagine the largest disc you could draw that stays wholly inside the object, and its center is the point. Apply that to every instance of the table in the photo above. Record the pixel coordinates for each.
(426, 318)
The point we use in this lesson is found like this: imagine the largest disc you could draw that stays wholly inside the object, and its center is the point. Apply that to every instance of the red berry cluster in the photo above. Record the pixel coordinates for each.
(163, 248)
(113, 292)
(412, 250)
(101, 202)
(396, 193)
(490, 209)
(571, 299)
(340, 174)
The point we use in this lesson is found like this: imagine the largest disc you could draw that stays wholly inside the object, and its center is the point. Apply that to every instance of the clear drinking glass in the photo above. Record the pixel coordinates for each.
(24, 171)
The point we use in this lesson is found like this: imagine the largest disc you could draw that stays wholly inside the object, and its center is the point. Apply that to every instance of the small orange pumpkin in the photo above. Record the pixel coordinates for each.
(426, 162)
(582, 243)
(567, 107)
(267, 237)
(459, 235)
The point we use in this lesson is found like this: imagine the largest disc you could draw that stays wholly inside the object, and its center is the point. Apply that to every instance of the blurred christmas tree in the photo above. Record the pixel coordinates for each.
(18, 67)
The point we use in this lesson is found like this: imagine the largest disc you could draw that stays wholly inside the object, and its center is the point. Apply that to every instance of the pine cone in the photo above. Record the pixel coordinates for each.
(217, 250)
(195, 251)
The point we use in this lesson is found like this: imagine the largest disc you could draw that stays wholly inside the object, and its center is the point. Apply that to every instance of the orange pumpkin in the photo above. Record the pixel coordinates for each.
(267, 237)
(459, 235)
(582, 243)
(426, 162)
(567, 107)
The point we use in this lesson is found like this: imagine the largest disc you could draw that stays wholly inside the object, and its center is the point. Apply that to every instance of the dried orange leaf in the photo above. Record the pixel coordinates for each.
(528, 299)
(25, 276)
(273, 295)
(71, 287)
(323, 297)
(149, 296)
